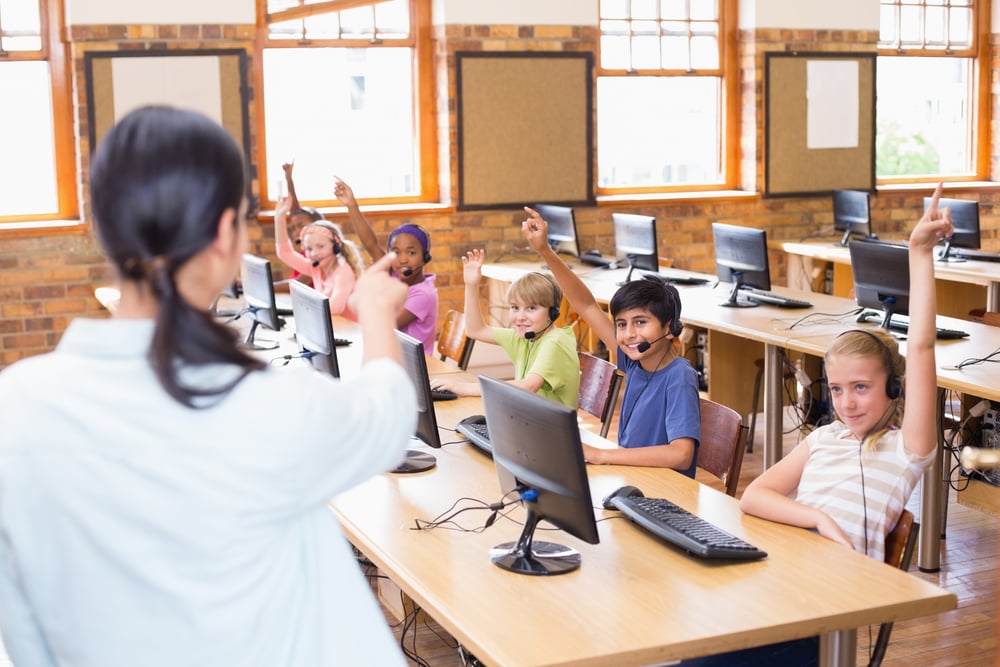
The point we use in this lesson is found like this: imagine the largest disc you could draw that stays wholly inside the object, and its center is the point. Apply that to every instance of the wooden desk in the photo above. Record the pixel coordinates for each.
(961, 286)
(634, 601)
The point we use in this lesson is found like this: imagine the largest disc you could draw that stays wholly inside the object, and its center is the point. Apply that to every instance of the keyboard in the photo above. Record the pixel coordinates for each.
(474, 428)
(342, 342)
(901, 325)
(976, 255)
(772, 299)
(443, 395)
(594, 260)
(685, 530)
(684, 280)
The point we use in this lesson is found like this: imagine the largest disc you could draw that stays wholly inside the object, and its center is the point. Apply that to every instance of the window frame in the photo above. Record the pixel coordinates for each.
(980, 135)
(54, 51)
(425, 132)
(729, 114)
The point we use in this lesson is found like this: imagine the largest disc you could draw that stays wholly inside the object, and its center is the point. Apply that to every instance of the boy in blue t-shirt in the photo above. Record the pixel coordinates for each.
(660, 421)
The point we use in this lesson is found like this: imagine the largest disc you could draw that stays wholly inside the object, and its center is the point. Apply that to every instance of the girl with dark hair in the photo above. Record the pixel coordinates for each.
(163, 496)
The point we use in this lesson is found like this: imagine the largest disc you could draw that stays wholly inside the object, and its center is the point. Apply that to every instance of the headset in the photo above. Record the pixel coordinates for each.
(553, 309)
(676, 326)
(417, 232)
(338, 247)
(893, 383)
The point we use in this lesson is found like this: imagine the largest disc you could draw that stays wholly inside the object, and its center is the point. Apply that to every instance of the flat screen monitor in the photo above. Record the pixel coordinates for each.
(562, 228)
(881, 277)
(415, 361)
(852, 214)
(258, 300)
(537, 453)
(232, 291)
(741, 259)
(635, 241)
(965, 220)
(314, 327)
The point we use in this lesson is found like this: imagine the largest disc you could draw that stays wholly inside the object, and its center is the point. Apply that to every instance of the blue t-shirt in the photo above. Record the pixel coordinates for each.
(659, 407)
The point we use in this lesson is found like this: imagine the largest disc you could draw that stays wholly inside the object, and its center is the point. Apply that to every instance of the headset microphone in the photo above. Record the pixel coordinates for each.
(407, 272)
(315, 263)
(645, 345)
(531, 335)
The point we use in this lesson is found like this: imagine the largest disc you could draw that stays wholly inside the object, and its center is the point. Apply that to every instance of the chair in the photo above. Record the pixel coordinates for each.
(723, 441)
(900, 544)
(600, 383)
(453, 343)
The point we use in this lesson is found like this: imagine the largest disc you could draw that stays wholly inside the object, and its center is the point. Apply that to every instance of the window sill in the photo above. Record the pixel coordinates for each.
(686, 197)
(928, 186)
(41, 228)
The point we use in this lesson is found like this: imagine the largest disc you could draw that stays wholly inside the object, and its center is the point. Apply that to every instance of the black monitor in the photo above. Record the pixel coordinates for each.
(537, 453)
(741, 259)
(852, 214)
(635, 241)
(562, 228)
(415, 361)
(258, 299)
(881, 277)
(314, 327)
(965, 220)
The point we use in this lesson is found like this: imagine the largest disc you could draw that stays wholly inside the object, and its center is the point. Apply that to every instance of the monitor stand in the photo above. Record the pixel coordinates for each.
(260, 346)
(415, 461)
(735, 301)
(945, 254)
(538, 558)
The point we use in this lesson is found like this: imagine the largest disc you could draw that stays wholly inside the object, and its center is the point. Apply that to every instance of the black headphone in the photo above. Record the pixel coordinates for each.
(676, 326)
(893, 383)
(556, 298)
(427, 237)
(338, 247)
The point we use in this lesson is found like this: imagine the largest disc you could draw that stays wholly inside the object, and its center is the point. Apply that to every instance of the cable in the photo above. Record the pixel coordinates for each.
(989, 358)
(287, 358)
(447, 517)
(834, 317)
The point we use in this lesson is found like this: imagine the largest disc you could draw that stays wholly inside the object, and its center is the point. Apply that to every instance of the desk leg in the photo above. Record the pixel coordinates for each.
(931, 515)
(838, 648)
(773, 405)
(993, 296)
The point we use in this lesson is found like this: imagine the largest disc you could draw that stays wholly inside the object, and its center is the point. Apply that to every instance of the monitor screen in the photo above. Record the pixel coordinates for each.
(562, 228)
(965, 220)
(741, 259)
(881, 277)
(635, 241)
(415, 361)
(852, 214)
(537, 453)
(314, 327)
(258, 299)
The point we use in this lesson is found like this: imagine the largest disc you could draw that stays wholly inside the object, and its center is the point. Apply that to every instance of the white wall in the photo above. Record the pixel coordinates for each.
(810, 14)
(134, 12)
(515, 12)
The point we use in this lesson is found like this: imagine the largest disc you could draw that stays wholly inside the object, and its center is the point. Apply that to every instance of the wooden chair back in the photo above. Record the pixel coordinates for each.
(600, 383)
(723, 441)
(900, 544)
(453, 343)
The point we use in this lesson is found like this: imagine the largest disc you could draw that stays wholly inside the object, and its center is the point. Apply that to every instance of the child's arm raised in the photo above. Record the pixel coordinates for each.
(363, 228)
(535, 230)
(919, 417)
(290, 184)
(472, 274)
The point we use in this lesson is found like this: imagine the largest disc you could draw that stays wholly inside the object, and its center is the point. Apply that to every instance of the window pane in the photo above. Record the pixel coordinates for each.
(924, 130)
(27, 161)
(358, 21)
(655, 131)
(645, 52)
(705, 10)
(21, 17)
(704, 53)
(887, 25)
(644, 9)
(323, 26)
(614, 9)
(960, 28)
(357, 121)
(393, 18)
(614, 52)
(675, 9)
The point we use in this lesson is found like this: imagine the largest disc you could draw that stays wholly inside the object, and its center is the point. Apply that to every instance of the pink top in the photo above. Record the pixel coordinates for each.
(336, 285)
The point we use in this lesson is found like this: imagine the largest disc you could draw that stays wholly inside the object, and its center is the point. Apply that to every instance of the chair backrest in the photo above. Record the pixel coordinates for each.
(453, 343)
(723, 441)
(900, 544)
(600, 383)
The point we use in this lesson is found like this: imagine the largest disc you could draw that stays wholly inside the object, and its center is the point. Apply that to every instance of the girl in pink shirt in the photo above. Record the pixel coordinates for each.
(332, 262)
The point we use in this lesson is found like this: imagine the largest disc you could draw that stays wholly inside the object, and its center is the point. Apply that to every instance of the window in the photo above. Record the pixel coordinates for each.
(931, 89)
(664, 88)
(341, 95)
(36, 126)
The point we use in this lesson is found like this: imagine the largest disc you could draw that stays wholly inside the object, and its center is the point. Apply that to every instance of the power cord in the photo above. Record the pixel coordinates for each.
(287, 358)
(447, 521)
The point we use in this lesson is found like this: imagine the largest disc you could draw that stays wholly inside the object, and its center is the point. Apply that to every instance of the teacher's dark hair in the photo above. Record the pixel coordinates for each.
(159, 183)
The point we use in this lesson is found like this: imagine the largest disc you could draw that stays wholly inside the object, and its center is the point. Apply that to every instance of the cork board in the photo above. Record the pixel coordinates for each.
(212, 81)
(524, 128)
(819, 123)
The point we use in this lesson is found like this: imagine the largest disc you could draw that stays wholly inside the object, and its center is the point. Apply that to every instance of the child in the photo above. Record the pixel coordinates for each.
(165, 496)
(544, 356)
(412, 246)
(300, 216)
(660, 421)
(332, 262)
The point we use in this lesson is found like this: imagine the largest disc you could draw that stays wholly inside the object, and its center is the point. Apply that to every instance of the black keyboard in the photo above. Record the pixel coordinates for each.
(976, 255)
(474, 428)
(772, 299)
(683, 280)
(342, 342)
(594, 260)
(903, 326)
(443, 395)
(685, 530)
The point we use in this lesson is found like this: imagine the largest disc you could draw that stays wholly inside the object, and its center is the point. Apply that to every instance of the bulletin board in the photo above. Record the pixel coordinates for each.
(524, 128)
(211, 81)
(819, 122)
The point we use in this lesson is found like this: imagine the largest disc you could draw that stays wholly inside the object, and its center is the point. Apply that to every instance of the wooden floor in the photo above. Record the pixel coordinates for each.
(963, 637)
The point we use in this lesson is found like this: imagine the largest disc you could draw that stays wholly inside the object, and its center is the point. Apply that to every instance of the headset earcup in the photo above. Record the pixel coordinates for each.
(553, 313)
(893, 387)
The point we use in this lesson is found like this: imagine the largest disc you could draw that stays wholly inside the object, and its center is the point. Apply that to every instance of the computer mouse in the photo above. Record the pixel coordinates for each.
(624, 492)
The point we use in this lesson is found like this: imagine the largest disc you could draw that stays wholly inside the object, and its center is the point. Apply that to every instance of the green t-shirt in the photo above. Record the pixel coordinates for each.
(552, 356)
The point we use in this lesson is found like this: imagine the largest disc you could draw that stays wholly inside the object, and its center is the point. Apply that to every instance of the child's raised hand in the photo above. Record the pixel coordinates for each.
(377, 291)
(933, 226)
(472, 266)
(343, 192)
(283, 210)
(287, 168)
(535, 229)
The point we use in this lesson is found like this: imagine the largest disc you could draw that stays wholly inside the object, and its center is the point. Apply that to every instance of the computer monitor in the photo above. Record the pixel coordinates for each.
(635, 241)
(314, 327)
(881, 277)
(258, 299)
(415, 361)
(852, 214)
(965, 220)
(741, 259)
(537, 453)
(562, 228)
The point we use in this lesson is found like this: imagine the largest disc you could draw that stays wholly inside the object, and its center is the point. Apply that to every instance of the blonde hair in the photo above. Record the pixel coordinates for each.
(882, 348)
(349, 250)
(536, 289)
